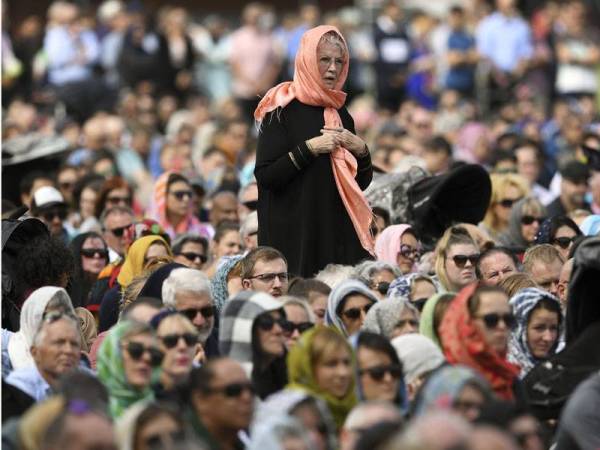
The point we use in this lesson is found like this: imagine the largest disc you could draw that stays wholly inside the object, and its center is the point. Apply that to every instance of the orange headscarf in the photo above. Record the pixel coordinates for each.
(463, 343)
(309, 89)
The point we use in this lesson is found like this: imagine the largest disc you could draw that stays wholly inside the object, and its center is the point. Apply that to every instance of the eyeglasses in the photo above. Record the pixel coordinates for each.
(234, 389)
(118, 232)
(508, 202)
(53, 213)
(564, 242)
(354, 313)
(409, 252)
(461, 260)
(528, 220)
(492, 320)
(136, 350)
(191, 313)
(171, 340)
(93, 252)
(180, 195)
(118, 200)
(290, 327)
(251, 205)
(377, 373)
(270, 277)
(191, 256)
(381, 287)
(419, 303)
(266, 322)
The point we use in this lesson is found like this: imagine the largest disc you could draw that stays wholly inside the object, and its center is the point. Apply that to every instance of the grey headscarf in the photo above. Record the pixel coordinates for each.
(383, 317)
(338, 294)
(512, 237)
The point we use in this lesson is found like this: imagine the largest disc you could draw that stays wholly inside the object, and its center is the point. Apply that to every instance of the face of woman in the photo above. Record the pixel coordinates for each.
(177, 341)
(511, 195)
(333, 372)
(229, 245)
(408, 323)
(421, 291)
(95, 263)
(160, 432)
(318, 303)
(377, 378)
(563, 234)
(179, 198)
(270, 334)
(298, 316)
(494, 304)
(408, 254)
(155, 252)
(469, 403)
(542, 332)
(354, 312)
(138, 371)
(87, 202)
(380, 282)
(459, 276)
(330, 59)
(311, 419)
(529, 230)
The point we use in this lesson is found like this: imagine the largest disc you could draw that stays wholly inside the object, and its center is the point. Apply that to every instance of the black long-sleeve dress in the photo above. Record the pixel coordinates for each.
(300, 211)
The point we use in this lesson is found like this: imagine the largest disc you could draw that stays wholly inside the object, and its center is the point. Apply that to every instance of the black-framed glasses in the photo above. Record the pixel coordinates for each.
(93, 252)
(191, 256)
(270, 277)
(234, 390)
(118, 232)
(528, 220)
(564, 242)
(508, 202)
(461, 260)
(377, 373)
(51, 214)
(381, 287)
(171, 340)
(492, 320)
(266, 322)
(354, 313)
(191, 313)
(251, 205)
(180, 195)
(289, 327)
(116, 200)
(136, 351)
(410, 252)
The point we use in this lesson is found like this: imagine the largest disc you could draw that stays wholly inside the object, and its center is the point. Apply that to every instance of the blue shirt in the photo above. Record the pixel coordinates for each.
(504, 40)
(461, 77)
(30, 381)
(62, 50)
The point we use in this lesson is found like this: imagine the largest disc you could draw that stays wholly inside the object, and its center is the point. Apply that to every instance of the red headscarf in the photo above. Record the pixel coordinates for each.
(309, 89)
(463, 343)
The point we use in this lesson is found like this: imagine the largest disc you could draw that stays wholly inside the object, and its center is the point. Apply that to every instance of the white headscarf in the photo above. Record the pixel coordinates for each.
(30, 320)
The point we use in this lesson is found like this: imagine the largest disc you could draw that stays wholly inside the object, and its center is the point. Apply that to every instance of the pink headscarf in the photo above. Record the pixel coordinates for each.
(309, 89)
(388, 243)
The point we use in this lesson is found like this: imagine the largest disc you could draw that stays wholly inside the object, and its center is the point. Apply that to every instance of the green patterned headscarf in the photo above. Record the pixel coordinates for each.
(301, 376)
(426, 321)
(112, 372)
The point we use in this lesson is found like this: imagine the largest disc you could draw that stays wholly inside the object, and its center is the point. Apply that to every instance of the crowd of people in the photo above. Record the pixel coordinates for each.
(229, 248)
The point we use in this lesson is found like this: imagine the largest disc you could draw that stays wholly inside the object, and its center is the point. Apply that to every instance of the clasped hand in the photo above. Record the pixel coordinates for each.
(334, 137)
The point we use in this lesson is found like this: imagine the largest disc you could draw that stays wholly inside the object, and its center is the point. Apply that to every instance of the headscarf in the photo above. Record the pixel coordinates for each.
(468, 138)
(30, 321)
(512, 237)
(418, 354)
(444, 387)
(158, 211)
(301, 376)
(591, 225)
(134, 262)
(88, 328)
(522, 304)
(463, 343)
(81, 282)
(111, 372)
(36, 421)
(125, 427)
(427, 315)
(237, 320)
(387, 245)
(383, 317)
(218, 284)
(309, 89)
(338, 294)
(272, 433)
(402, 286)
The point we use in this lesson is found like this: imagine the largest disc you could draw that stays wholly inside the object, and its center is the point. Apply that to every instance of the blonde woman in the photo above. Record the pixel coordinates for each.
(456, 256)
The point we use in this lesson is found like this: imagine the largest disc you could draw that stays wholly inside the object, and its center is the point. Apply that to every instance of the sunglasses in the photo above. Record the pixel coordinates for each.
(136, 350)
(409, 252)
(117, 200)
(419, 303)
(508, 202)
(354, 313)
(382, 287)
(92, 252)
(528, 220)
(234, 389)
(492, 320)
(290, 327)
(251, 205)
(191, 256)
(266, 322)
(270, 277)
(191, 313)
(66, 185)
(180, 195)
(377, 373)
(50, 215)
(564, 242)
(171, 340)
(461, 260)
(118, 232)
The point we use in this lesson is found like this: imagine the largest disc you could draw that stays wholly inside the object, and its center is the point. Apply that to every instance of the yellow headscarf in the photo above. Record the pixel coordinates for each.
(301, 376)
(134, 262)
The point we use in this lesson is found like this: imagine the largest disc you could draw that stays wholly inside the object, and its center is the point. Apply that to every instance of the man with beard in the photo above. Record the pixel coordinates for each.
(573, 187)
(265, 269)
(188, 291)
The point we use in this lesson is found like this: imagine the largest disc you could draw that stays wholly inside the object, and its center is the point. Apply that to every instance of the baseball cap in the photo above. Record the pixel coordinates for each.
(47, 196)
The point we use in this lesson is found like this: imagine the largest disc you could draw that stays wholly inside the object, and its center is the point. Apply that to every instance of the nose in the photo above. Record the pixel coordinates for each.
(199, 320)
(277, 282)
(548, 336)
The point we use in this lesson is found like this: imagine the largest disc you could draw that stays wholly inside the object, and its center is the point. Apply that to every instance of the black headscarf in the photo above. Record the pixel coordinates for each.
(81, 282)
(154, 283)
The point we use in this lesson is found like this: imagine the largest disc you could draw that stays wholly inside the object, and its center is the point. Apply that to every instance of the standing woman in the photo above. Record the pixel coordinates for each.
(310, 166)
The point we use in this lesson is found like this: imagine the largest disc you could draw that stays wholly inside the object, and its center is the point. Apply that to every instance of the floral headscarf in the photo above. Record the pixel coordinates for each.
(383, 317)
(134, 262)
(218, 284)
(463, 343)
(522, 304)
(402, 286)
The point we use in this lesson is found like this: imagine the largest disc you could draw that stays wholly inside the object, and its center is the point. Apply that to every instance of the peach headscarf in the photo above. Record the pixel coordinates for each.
(309, 89)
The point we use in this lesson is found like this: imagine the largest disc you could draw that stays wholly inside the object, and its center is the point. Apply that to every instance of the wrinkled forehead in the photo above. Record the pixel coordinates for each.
(332, 38)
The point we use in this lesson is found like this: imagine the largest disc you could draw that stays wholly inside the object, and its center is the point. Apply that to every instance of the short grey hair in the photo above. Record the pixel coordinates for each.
(40, 334)
(114, 210)
(249, 225)
(367, 269)
(184, 279)
(331, 37)
(334, 274)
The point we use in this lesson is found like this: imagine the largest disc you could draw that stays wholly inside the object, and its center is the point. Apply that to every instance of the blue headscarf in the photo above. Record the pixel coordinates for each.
(218, 285)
